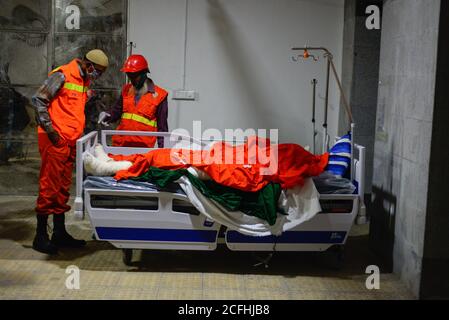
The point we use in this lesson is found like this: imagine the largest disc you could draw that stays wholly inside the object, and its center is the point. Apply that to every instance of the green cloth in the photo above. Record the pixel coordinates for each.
(262, 204)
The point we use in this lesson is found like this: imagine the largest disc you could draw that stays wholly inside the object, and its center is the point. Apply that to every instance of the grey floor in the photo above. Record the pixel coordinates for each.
(221, 274)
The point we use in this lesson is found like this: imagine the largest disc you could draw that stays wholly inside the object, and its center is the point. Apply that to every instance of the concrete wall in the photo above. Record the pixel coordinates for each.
(347, 75)
(361, 51)
(236, 55)
(403, 134)
(33, 45)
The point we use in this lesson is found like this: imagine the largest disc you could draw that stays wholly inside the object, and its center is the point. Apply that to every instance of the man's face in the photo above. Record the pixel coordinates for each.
(94, 71)
(137, 78)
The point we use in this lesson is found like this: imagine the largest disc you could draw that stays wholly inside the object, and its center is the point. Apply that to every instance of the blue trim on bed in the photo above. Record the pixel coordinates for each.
(290, 237)
(145, 234)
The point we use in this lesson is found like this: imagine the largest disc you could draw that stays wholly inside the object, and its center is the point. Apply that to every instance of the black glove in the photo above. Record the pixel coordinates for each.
(54, 137)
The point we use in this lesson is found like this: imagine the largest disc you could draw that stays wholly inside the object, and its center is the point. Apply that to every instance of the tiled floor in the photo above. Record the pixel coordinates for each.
(221, 274)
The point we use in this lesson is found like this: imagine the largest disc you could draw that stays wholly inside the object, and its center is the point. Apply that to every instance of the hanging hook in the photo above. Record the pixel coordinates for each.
(295, 58)
(306, 55)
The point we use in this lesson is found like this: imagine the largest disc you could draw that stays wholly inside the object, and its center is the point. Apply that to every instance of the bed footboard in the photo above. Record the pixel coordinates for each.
(86, 143)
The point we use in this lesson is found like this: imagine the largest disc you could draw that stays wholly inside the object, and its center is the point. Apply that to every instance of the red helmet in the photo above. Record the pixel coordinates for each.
(135, 63)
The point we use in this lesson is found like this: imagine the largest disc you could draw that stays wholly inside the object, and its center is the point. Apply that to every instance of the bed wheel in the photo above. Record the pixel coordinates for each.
(336, 257)
(127, 256)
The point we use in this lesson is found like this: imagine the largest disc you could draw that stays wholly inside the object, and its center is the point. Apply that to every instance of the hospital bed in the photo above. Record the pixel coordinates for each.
(141, 216)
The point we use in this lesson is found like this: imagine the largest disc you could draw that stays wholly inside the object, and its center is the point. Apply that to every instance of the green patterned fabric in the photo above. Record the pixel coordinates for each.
(262, 204)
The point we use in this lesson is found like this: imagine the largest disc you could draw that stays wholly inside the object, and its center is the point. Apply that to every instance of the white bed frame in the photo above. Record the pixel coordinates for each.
(165, 228)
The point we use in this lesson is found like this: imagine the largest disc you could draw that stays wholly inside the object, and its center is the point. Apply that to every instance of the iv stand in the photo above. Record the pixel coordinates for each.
(331, 66)
(314, 82)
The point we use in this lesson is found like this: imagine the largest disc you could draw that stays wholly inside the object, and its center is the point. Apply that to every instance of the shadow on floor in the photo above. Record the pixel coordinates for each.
(102, 256)
(16, 230)
(357, 257)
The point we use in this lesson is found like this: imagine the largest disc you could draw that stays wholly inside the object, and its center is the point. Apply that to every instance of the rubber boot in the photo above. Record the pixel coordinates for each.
(60, 237)
(41, 241)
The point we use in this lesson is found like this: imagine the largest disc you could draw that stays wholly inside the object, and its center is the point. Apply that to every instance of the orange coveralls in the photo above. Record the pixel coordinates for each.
(66, 112)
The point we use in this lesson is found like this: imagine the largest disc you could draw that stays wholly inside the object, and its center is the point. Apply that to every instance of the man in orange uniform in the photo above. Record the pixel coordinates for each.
(142, 106)
(59, 106)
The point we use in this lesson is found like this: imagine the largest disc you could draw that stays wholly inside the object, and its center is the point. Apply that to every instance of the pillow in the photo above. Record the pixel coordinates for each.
(340, 157)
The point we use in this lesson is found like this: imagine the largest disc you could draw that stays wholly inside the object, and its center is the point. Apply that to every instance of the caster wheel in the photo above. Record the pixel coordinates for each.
(336, 257)
(127, 256)
(361, 220)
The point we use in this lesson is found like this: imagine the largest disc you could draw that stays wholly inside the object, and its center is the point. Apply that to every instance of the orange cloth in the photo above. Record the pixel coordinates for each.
(66, 110)
(146, 108)
(55, 176)
(289, 168)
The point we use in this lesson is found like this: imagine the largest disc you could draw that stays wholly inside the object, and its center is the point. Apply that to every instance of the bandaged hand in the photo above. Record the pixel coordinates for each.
(98, 167)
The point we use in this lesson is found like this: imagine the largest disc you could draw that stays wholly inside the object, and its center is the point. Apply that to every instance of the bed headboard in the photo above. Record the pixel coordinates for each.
(358, 164)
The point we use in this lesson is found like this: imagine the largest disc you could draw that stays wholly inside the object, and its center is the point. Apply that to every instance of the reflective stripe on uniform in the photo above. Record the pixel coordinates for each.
(136, 117)
(56, 69)
(75, 87)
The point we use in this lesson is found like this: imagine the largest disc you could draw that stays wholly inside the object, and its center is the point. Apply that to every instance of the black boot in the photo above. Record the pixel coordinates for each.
(41, 241)
(60, 237)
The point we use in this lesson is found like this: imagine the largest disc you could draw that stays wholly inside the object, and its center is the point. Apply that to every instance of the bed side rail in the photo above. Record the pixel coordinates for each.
(88, 142)
(85, 143)
(359, 176)
(171, 139)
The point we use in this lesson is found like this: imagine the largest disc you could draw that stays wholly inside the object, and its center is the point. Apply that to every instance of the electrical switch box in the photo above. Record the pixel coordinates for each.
(184, 95)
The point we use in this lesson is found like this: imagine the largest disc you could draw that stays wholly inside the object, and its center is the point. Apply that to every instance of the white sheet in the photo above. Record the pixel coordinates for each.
(301, 204)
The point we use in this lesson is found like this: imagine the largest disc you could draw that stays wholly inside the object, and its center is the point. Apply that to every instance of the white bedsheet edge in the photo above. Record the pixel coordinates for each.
(301, 204)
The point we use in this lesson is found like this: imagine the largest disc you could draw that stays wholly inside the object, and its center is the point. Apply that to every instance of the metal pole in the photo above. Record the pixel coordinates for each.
(314, 82)
(326, 105)
(345, 101)
(131, 44)
(329, 56)
(351, 167)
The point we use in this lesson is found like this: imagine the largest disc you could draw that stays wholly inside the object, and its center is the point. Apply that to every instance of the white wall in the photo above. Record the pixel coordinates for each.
(236, 55)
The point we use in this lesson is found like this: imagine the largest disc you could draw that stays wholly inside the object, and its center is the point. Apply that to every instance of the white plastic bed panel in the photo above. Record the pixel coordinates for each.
(317, 234)
(151, 229)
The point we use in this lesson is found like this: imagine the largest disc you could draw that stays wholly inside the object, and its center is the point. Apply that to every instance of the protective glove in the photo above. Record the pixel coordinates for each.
(54, 137)
(103, 118)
